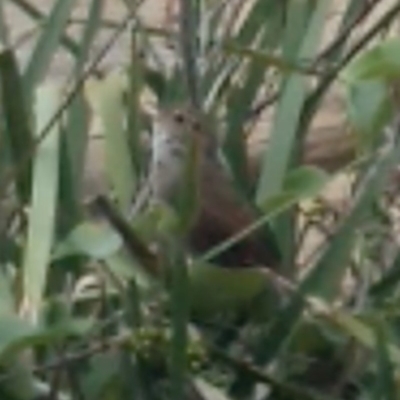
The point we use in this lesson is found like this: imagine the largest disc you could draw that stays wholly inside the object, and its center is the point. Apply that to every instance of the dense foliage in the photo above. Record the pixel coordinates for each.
(87, 311)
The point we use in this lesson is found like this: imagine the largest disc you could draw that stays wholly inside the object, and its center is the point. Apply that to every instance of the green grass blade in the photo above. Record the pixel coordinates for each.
(180, 316)
(41, 221)
(188, 24)
(34, 13)
(17, 129)
(106, 98)
(136, 84)
(354, 9)
(255, 21)
(278, 155)
(241, 99)
(325, 277)
(298, 16)
(388, 283)
(386, 385)
(47, 44)
(75, 140)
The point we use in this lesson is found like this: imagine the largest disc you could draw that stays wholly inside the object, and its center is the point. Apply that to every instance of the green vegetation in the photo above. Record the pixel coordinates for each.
(89, 313)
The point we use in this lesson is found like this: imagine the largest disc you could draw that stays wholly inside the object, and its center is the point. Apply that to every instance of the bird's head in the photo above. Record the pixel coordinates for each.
(180, 126)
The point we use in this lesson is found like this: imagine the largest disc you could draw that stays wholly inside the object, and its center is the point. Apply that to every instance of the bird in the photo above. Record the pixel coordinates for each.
(221, 211)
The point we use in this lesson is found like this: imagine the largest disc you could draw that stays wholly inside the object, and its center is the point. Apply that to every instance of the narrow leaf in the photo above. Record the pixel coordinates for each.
(41, 222)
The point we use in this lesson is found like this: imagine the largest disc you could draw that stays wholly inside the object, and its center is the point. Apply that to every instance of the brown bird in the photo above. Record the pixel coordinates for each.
(221, 212)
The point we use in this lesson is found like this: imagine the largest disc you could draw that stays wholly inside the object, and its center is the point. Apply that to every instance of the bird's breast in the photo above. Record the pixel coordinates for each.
(167, 166)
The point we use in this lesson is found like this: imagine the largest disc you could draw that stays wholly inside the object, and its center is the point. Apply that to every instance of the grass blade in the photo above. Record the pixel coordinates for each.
(180, 317)
(106, 98)
(385, 387)
(47, 44)
(44, 201)
(17, 128)
(278, 155)
(75, 139)
(325, 277)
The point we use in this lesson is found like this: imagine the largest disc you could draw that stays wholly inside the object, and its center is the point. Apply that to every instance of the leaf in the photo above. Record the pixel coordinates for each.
(363, 332)
(306, 181)
(34, 13)
(179, 303)
(75, 139)
(41, 221)
(324, 278)
(369, 108)
(90, 239)
(380, 62)
(102, 372)
(17, 132)
(47, 44)
(241, 96)
(278, 154)
(385, 387)
(106, 99)
(16, 334)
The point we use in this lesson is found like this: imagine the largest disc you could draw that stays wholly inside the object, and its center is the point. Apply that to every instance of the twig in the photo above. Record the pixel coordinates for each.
(133, 244)
(344, 35)
(382, 23)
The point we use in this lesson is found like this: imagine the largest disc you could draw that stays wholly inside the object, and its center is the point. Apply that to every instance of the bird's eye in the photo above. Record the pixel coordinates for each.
(178, 117)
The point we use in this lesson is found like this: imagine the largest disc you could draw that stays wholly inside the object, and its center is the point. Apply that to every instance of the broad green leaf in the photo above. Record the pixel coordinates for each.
(369, 109)
(41, 221)
(91, 239)
(380, 62)
(306, 181)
